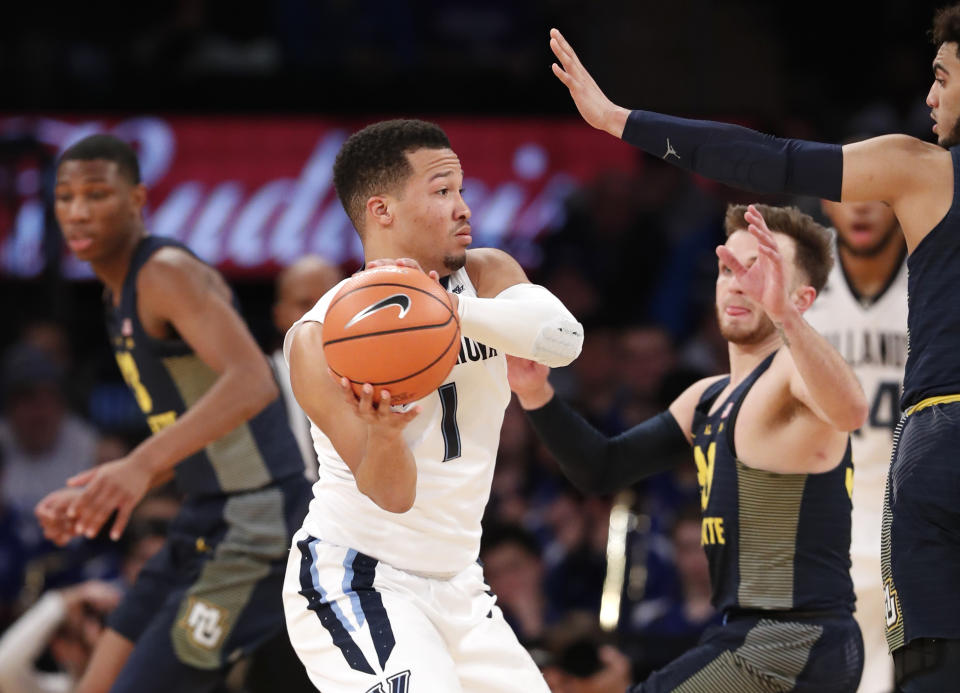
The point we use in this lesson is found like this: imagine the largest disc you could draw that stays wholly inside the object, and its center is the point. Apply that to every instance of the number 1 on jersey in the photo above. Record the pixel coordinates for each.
(448, 423)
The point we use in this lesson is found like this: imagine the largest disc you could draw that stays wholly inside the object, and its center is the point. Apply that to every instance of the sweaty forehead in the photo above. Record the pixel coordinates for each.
(87, 170)
(433, 162)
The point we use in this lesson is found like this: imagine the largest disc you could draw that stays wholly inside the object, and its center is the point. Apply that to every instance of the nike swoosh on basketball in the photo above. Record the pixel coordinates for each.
(400, 300)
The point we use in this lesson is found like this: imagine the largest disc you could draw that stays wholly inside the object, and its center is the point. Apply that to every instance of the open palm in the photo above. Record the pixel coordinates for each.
(764, 280)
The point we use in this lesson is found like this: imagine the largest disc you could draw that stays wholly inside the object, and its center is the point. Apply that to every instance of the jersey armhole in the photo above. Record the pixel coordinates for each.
(288, 338)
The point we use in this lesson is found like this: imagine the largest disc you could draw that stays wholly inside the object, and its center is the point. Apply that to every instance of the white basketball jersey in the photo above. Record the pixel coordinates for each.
(454, 440)
(872, 337)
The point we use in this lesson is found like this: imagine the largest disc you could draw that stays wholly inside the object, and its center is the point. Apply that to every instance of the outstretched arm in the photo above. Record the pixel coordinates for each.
(894, 168)
(593, 462)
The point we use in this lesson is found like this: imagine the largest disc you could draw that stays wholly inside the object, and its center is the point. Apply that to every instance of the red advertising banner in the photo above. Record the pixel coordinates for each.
(251, 194)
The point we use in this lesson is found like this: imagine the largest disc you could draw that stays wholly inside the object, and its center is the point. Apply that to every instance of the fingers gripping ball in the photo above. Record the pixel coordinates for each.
(395, 328)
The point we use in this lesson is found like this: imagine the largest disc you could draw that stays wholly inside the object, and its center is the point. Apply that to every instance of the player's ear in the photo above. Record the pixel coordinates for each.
(380, 210)
(803, 297)
(139, 196)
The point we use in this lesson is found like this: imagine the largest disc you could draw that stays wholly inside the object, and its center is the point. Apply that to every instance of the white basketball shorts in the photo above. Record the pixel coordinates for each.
(359, 625)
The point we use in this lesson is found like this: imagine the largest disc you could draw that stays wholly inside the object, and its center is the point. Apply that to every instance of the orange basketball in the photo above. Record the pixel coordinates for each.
(395, 328)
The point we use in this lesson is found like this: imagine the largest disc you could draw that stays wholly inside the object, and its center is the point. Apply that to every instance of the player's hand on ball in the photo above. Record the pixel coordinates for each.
(374, 409)
(117, 485)
(400, 262)
(410, 262)
(528, 379)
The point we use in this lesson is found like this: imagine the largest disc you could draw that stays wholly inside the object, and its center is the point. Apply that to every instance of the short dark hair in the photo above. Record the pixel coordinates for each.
(946, 26)
(374, 160)
(814, 243)
(105, 147)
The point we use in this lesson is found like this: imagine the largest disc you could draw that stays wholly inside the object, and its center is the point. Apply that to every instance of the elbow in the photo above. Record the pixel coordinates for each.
(396, 501)
(261, 391)
(558, 345)
(589, 485)
(854, 416)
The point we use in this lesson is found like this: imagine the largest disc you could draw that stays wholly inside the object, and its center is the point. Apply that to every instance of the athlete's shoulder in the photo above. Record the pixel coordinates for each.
(492, 270)
(175, 269)
(685, 404)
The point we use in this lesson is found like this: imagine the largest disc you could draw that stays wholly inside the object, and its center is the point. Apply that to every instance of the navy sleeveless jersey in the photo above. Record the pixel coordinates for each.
(933, 321)
(774, 541)
(167, 378)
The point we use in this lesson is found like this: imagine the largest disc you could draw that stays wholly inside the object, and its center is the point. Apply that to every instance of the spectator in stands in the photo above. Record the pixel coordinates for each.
(297, 289)
(514, 570)
(42, 442)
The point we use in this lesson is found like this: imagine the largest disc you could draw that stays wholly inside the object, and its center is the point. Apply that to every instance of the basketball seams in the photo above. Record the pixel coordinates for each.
(455, 339)
(394, 345)
(415, 328)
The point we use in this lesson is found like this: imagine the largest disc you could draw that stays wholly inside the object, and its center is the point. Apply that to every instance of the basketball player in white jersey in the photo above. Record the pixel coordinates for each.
(862, 311)
(383, 591)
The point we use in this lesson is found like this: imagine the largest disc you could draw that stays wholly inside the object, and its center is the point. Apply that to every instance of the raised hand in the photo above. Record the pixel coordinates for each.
(593, 104)
(764, 280)
(117, 485)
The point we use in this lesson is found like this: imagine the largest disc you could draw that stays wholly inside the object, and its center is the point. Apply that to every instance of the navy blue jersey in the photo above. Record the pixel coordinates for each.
(933, 321)
(774, 541)
(167, 378)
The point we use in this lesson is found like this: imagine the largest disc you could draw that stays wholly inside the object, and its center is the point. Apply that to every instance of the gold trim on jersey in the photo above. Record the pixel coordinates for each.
(931, 401)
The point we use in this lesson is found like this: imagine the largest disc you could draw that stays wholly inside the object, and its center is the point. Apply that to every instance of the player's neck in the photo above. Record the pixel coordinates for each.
(112, 270)
(744, 358)
(869, 276)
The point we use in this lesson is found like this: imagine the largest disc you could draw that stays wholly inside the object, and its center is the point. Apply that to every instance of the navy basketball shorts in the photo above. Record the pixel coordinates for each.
(920, 543)
(211, 595)
(772, 653)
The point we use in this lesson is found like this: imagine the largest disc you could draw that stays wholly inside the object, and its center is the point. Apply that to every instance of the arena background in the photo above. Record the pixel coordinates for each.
(238, 110)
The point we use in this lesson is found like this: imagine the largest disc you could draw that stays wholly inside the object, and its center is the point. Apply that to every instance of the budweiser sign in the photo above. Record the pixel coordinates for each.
(250, 194)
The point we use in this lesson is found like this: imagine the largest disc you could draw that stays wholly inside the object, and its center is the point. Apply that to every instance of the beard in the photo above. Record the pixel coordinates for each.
(952, 138)
(872, 250)
(455, 262)
(747, 336)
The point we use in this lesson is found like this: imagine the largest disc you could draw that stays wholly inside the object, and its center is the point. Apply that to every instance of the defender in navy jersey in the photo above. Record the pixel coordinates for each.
(920, 550)
(772, 452)
(212, 593)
